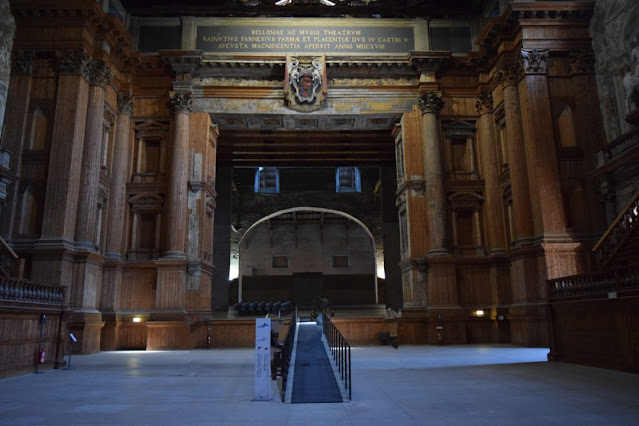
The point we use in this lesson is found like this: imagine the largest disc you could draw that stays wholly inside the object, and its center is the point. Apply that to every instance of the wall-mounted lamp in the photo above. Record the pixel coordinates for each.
(137, 319)
(479, 313)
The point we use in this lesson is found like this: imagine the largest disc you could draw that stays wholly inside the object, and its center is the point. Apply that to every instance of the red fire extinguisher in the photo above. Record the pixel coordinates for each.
(41, 356)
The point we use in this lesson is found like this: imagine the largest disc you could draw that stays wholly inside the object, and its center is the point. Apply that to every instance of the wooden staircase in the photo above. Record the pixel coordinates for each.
(619, 245)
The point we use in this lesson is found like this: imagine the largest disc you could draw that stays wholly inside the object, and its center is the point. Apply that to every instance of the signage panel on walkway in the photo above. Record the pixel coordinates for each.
(262, 359)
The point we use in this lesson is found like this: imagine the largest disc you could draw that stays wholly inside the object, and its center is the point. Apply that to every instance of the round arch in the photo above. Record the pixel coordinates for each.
(305, 209)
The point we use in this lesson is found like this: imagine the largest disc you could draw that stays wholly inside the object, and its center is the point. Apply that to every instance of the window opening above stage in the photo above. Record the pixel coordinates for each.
(348, 179)
(267, 180)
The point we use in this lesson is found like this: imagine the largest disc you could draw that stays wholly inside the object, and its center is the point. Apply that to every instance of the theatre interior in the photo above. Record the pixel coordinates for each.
(422, 172)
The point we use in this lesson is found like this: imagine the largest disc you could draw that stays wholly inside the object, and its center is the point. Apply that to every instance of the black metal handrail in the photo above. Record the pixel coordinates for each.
(341, 351)
(287, 351)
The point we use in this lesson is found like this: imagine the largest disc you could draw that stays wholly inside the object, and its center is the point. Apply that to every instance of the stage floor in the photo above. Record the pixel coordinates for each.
(414, 385)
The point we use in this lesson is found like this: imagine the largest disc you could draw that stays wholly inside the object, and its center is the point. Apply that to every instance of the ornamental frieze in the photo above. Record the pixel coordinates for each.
(431, 102)
(535, 61)
(181, 101)
(582, 62)
(22, 62)
(484, 103)
(99, 73)
(509, 73)
(305, 83)
(125, 103)
(74, 62)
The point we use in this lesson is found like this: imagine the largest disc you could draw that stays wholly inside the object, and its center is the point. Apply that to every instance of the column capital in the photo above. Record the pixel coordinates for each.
(74, 62)
(431, 103)
(582, 62)
(98, 73)
(509, 73)
(22, 62)
(535, 61)
(125, 103)
(484, 102)
(181, 101)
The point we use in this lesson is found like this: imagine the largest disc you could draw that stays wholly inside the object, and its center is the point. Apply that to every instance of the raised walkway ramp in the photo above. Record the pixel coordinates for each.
(314, 380)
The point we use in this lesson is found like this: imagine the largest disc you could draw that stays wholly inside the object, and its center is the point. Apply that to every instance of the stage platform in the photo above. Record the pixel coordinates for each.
(360, 325)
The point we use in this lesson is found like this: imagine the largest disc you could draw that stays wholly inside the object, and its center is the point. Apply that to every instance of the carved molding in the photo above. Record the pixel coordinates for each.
(535, 61)
(74, 62)
(22, 62)
(125, 103)
(484, 103)
(582, 62)
(431, 103)
(98, 73)
(510, 73)
(181, 101)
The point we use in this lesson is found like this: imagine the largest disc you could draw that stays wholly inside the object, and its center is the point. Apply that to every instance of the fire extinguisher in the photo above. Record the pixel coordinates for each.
(41, 356)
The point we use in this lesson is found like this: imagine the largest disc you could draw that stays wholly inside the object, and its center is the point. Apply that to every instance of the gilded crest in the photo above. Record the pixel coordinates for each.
(305, 83)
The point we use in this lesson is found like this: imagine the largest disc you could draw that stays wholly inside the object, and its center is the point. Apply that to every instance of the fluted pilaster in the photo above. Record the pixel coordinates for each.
(509, 75)
(494, 217)
(99, 75)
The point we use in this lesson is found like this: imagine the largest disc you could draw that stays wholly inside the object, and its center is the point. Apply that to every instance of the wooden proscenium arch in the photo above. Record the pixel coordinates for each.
(324, 217)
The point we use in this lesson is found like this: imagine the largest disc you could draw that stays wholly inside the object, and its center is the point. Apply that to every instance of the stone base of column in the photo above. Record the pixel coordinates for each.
(86, 328)
(529, 325)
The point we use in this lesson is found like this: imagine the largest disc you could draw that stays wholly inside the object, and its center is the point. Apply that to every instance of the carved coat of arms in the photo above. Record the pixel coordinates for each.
(305, 83)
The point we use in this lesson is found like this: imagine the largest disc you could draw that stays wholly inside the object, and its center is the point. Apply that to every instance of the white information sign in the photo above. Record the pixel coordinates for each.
(262, 359)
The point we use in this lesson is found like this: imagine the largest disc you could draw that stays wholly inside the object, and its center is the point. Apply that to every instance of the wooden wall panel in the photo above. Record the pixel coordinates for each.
(598, 331)
(138, 290)
(19, 335)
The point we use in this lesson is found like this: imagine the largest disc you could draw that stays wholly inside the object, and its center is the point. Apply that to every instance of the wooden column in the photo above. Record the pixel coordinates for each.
(509, 75)
(493, 208)
(16, 134)
(119, 172)
(539, 139)
(114, 244)
(99, 77)
(176, 197)
(430, 105)
(63, 181)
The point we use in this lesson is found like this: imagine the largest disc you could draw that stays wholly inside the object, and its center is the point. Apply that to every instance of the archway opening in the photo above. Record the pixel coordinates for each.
(304, 253)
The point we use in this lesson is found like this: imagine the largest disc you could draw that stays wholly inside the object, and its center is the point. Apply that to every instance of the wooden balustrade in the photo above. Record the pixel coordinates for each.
(17, 290)
(595, 283)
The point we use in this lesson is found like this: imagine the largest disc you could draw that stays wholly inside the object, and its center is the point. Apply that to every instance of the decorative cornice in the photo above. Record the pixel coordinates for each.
(582, 62)
(484, 103)
(509, 73)
(74, 62)
(22, 62)
(431, 103)
(183, 63)
(99, 73)
(535, 61)
(125, 103)
(181, 101)
(429, 62)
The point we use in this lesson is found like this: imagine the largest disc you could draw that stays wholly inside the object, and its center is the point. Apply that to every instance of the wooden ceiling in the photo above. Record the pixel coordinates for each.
(310, 8)
(252, 148)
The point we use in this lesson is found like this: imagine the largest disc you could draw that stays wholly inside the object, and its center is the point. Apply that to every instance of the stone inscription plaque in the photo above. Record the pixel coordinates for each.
(307, 39)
